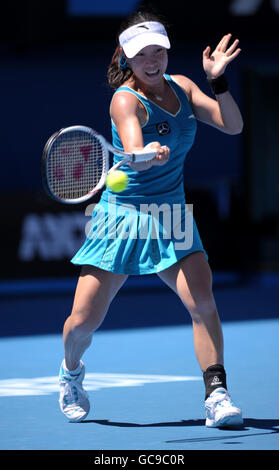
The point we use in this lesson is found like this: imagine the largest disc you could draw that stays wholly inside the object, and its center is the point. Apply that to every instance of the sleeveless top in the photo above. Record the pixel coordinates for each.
(122, 236)
(164, 183)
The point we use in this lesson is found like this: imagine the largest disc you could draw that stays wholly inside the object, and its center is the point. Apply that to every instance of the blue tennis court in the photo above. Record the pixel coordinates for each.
(142, 375)
(144, 382)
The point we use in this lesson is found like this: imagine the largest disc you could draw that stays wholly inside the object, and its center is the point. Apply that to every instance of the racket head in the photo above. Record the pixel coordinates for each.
(74, 164)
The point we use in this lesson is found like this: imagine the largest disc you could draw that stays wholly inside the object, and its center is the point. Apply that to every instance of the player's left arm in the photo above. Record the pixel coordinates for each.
(222, 112)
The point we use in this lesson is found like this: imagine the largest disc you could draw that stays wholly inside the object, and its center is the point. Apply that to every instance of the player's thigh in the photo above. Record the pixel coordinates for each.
(191, 279)
(95, 290)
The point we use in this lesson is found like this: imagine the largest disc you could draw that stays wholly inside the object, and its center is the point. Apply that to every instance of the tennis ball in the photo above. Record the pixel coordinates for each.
(117, 181)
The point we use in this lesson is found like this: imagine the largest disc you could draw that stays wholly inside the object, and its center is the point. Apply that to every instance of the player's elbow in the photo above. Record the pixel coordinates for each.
(237, 128)
(236, 131)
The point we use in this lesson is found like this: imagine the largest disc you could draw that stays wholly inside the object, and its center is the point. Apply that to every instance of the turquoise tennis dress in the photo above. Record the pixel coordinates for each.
(147, 227)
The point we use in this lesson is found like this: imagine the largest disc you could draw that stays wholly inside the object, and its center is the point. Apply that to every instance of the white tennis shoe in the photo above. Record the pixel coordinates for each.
(220, 410)
(73, 398)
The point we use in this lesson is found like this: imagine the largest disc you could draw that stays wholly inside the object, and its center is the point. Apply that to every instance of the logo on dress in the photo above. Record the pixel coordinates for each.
(163, 128)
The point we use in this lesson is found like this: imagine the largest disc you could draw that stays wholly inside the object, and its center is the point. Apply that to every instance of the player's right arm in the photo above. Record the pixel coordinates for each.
(128, 118)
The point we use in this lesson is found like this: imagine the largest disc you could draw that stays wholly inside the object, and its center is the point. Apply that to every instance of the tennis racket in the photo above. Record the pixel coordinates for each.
(75, 163)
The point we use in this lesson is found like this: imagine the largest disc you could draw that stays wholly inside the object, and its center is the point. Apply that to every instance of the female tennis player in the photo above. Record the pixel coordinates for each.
(151, 107)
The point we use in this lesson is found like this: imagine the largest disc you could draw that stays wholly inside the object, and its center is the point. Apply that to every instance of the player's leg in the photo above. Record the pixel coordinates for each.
(95, 290)
(191, 279)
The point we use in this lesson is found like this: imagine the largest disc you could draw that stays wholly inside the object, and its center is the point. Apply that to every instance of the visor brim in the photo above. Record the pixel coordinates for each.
(135, 45)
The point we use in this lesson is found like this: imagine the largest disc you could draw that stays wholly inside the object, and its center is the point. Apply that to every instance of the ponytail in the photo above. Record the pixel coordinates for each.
(117, 75)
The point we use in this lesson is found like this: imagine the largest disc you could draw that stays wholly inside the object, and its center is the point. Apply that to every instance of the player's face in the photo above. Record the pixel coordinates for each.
(149, 64)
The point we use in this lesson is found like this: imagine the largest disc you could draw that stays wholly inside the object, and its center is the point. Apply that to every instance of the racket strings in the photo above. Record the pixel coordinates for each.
(76, 164)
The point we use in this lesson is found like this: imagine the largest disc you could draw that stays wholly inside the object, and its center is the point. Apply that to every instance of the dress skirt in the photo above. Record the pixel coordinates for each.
(146, 239)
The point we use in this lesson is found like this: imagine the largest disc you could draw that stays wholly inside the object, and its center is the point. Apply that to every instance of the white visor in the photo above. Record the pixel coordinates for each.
(148, 33)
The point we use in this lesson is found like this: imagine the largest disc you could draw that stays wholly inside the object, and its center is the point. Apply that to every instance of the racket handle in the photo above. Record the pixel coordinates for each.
(138, 156)
(143, 155)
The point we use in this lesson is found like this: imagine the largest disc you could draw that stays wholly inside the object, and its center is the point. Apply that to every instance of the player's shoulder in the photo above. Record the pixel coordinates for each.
(124, 100)
(125, 94)
(184, 82)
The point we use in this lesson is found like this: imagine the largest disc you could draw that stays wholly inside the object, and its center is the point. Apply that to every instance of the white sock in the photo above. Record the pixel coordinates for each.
(72, 372)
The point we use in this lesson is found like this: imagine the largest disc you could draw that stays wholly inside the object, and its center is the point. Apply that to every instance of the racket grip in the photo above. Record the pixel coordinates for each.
(143, 156)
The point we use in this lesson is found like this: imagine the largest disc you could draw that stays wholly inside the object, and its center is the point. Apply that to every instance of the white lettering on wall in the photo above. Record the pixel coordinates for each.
(51, 236)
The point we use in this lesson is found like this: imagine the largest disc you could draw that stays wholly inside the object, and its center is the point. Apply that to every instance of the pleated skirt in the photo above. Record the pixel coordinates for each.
(135, 240)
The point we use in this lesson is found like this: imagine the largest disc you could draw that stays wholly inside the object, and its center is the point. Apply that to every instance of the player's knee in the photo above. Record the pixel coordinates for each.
(85, 322)
(203, 308)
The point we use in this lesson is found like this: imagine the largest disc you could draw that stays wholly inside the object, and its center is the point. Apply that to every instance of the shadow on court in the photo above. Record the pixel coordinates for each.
(268, 424)
(271, 425)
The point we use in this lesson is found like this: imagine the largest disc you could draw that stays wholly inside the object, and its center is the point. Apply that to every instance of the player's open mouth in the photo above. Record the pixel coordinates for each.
(153, 73)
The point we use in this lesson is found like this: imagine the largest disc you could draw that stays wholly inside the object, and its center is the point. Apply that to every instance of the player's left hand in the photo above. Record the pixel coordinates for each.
(215, 64)
(162, 156)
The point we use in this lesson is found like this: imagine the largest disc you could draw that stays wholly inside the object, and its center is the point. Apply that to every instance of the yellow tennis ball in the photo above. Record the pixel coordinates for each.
(117, 181)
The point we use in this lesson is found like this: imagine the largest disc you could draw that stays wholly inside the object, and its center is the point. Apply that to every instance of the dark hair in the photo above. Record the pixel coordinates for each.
(115, 74)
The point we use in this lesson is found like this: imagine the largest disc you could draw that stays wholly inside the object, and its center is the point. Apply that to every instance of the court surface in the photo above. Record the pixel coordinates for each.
(145, 389)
